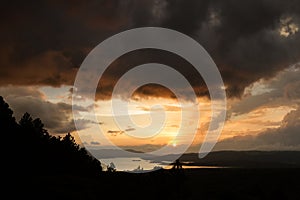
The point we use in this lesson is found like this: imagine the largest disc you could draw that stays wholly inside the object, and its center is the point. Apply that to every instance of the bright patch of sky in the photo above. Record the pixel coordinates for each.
(288, 27)
(57, 94)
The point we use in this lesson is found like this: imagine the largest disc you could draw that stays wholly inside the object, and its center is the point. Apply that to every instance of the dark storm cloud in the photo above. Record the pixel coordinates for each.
(246, 45)
(128, 61)
(242, 37)
(43, 43)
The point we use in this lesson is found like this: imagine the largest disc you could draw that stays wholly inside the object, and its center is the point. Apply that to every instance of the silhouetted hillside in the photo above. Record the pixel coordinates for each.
(28, 149)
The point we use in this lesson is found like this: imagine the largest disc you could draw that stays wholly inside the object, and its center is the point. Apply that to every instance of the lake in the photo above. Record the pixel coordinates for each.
(135, 164)
(130, 163)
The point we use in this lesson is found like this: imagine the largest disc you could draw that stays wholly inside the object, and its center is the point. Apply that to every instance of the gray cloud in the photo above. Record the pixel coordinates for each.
(21, 91)
(94, 143)
(115, 132)
(286, 137)
(281, 90)
(130, 129)
(57, 117)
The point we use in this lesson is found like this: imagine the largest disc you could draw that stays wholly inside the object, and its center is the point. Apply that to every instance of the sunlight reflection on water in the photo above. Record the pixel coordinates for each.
(134, 163)
(124, 164)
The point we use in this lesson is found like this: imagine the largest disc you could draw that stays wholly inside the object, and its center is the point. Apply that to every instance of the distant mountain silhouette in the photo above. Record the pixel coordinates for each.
(133, 151)
(248, 159)
(28, 149)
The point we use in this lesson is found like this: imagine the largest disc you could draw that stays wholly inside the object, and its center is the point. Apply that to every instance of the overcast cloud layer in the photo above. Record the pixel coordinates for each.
(44, 42)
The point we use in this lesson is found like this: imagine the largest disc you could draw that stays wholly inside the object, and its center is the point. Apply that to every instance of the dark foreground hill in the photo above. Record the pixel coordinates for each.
(221, 183)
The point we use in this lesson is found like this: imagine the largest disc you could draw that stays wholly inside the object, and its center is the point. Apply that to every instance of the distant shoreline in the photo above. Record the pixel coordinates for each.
(219, 159)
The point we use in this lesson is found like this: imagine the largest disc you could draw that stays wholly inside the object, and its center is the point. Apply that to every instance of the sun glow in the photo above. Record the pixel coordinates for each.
(174, 144)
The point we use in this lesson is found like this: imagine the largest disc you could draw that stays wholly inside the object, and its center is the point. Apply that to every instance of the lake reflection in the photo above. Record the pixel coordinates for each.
(130, 164)
(136, 164)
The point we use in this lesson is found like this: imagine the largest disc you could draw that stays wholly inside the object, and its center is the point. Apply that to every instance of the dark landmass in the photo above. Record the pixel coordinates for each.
(133, 151)
(245, 159)
(41, 166)
(220, 183)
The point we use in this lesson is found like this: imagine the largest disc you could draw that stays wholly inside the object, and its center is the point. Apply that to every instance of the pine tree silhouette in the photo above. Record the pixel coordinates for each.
(35, 151)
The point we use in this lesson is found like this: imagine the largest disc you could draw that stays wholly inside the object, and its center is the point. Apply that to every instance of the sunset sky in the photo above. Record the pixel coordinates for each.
(255, 45)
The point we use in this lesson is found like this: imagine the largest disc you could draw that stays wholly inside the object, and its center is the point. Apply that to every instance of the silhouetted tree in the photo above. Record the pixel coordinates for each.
(177, 165)
(111, 167)
(6, 115)
(38, 152)
(9, 133)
